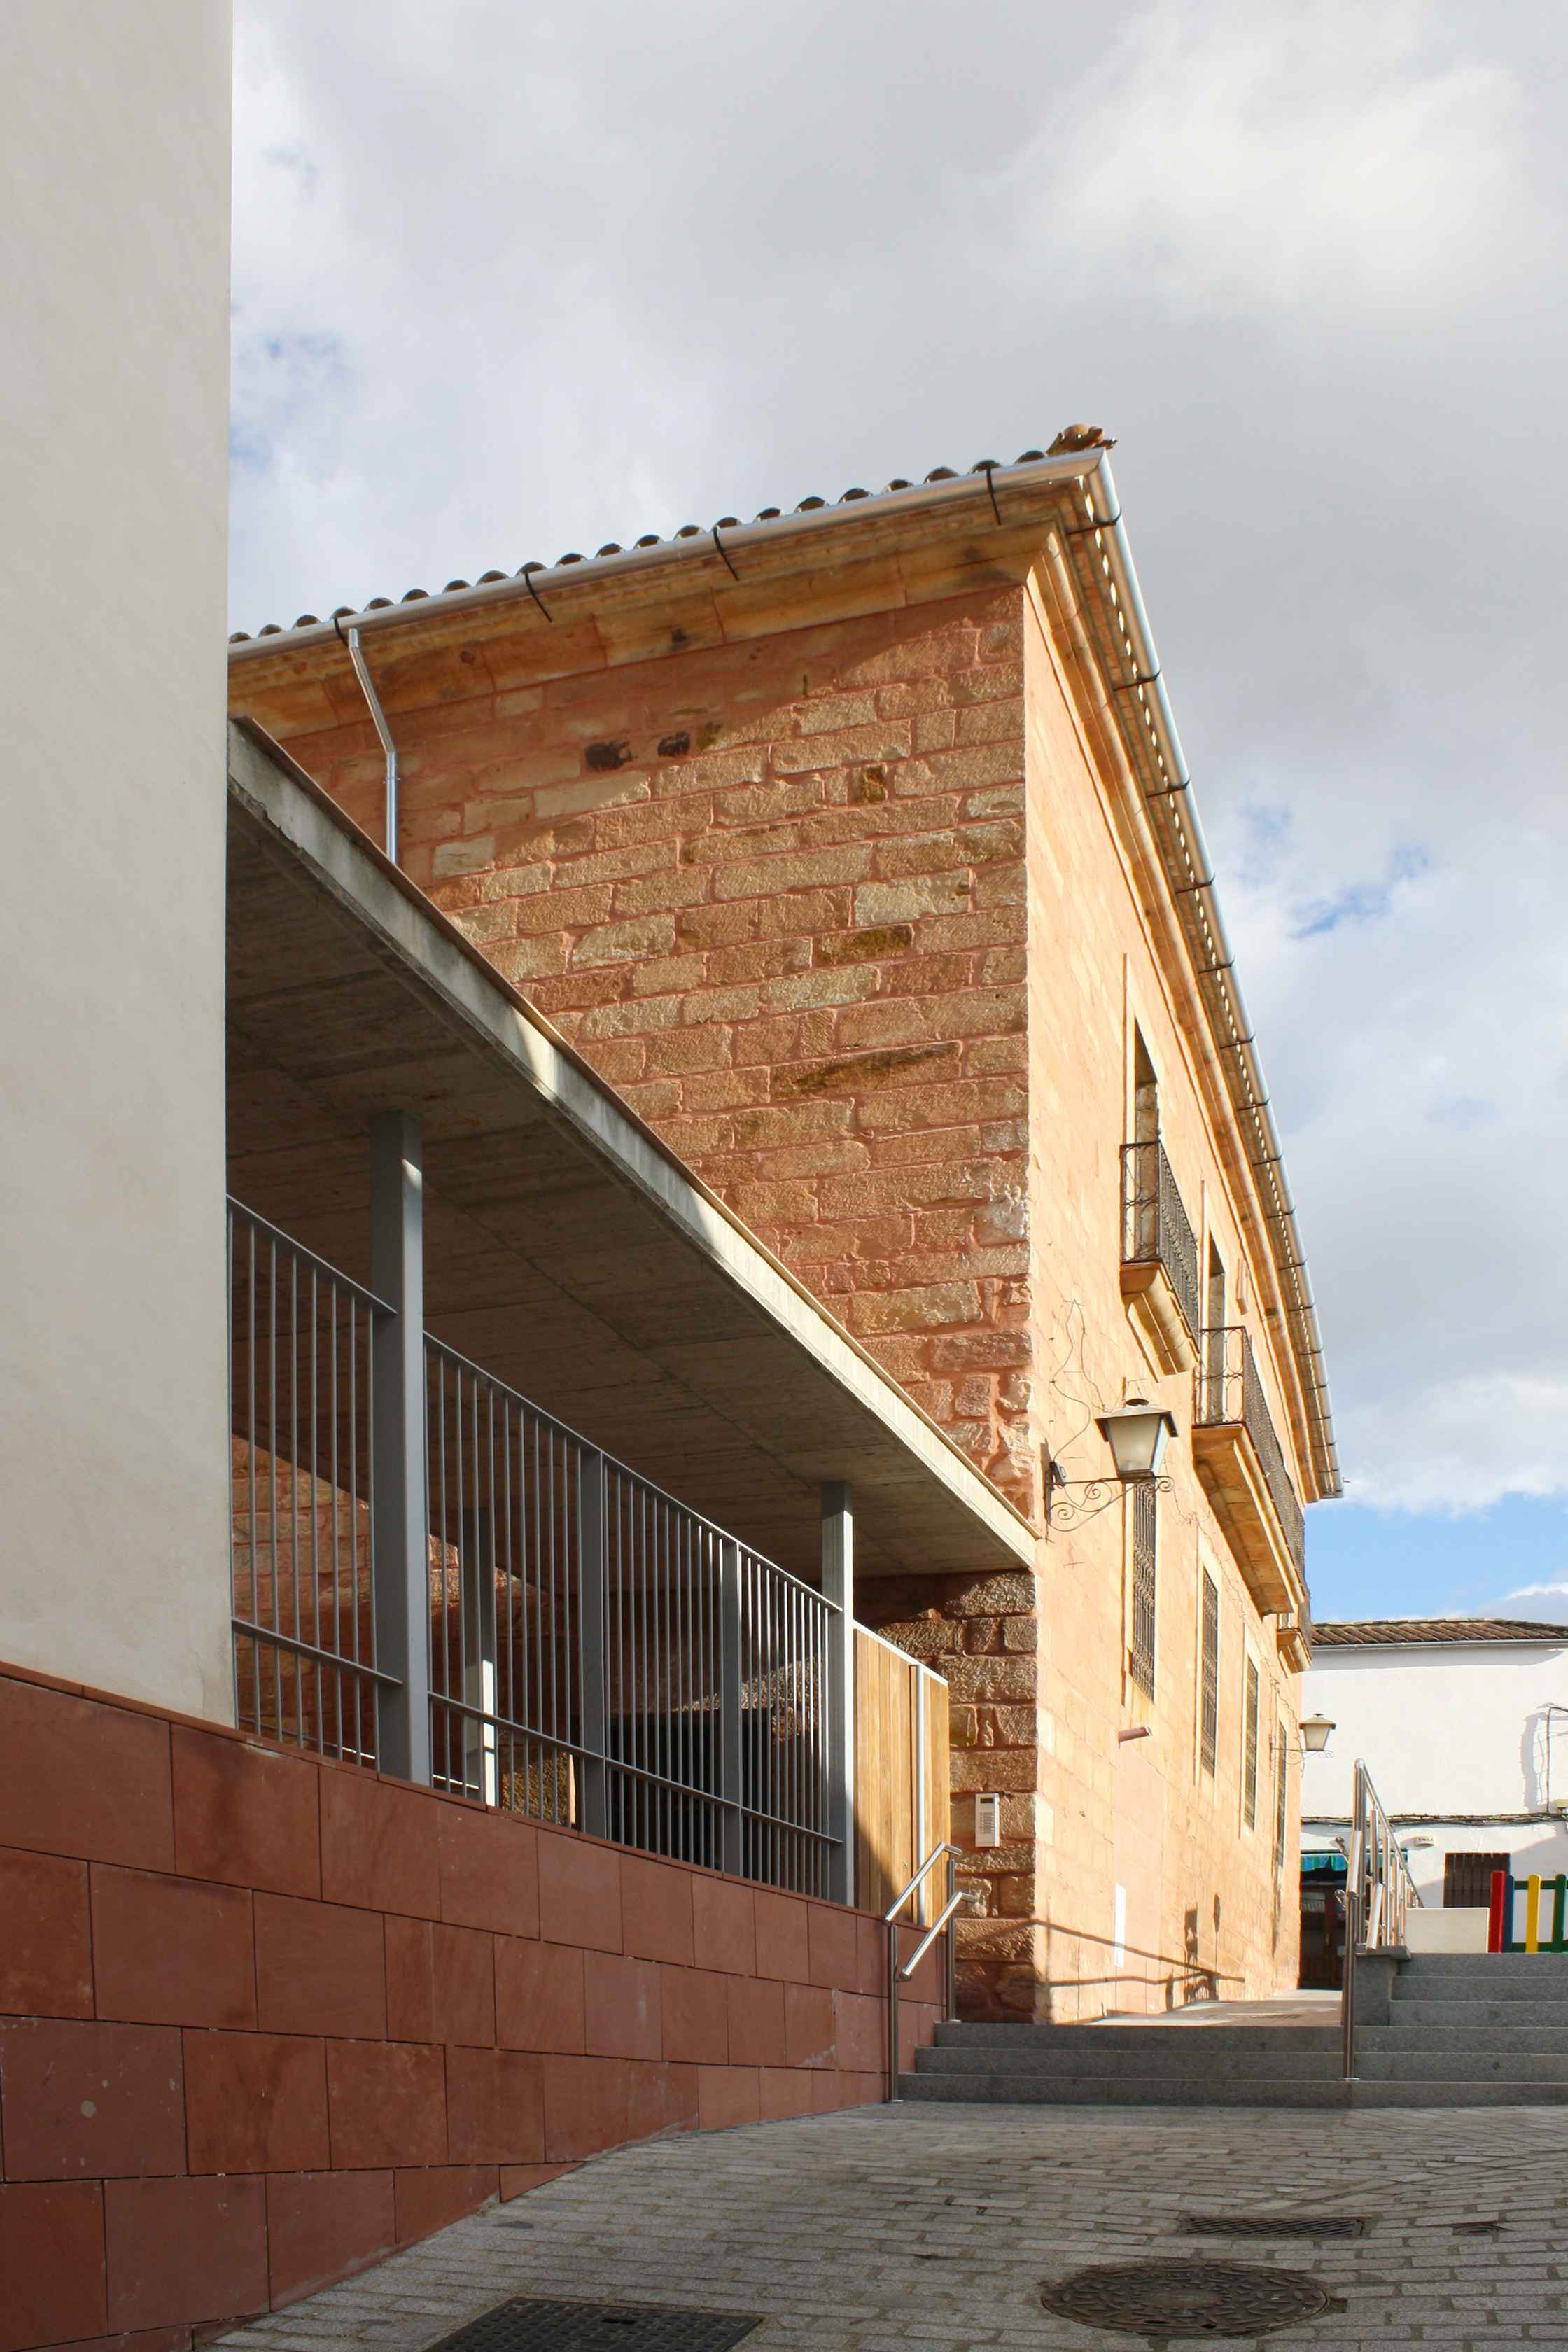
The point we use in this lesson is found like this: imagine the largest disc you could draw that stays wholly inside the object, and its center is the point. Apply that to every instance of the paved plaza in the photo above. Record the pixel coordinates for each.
(888, 2227)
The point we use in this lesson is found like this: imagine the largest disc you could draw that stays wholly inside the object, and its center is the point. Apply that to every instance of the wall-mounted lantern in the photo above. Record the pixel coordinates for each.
(1137, 1433)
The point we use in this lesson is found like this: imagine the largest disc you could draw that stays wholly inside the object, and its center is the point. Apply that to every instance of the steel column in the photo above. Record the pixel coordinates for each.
(731, 1760)
(839, 1587)
(593, 1579)
(400, 1514)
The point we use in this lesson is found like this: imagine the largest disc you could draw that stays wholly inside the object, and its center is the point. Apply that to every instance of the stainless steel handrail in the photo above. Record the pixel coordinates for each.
(927, 1867)
(1379, 1891)
(900, 1974)
(1347, 1977)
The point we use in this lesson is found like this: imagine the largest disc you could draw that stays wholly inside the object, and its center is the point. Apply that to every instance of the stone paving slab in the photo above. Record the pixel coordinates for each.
(921, 2230)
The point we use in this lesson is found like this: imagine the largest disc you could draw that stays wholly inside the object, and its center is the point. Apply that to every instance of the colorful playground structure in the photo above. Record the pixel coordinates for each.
(1503, 1924)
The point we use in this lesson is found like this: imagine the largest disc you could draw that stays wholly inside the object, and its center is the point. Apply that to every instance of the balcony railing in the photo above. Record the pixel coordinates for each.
(302, 1561)
(1229, 1393)
(1155, 1227)
(597, 1655)
(604, 1657)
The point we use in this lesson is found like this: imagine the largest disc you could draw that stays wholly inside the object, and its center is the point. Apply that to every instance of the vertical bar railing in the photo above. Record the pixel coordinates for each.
(1503, 1933)
(1155, 1226)
(1229, 1389)
(610, 1659)
(302, 1336)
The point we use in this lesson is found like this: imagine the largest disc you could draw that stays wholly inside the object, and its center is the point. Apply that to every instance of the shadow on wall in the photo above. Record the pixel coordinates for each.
(1544, 1756)
(1174, 1983)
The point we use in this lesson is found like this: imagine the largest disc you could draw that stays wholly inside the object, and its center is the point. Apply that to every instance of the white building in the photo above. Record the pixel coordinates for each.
(1463, 1725)
(114, 193)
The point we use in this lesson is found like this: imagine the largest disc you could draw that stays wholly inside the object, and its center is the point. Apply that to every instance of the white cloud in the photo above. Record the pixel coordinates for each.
(1461, 1444)
(511, 281)
(1284, 160)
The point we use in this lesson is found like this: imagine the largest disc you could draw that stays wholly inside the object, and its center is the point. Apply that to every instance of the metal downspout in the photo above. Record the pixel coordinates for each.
(1177, 825)
(373, 700)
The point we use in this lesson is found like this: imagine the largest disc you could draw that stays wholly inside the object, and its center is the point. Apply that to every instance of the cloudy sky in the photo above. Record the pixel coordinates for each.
(514, 278)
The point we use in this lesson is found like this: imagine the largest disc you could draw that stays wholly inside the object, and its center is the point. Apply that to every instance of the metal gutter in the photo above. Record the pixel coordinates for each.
(985, 487)
(378, 716)
(1149, 730)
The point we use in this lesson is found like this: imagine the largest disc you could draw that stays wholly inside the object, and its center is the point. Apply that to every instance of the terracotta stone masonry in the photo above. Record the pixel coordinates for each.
(263, 2019)
(842, 877)
(774, 894)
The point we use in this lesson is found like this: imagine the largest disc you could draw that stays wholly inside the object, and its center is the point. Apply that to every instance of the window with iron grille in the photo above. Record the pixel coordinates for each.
(1249, 1751)
(1281, 1796)
(1140, 1655)
(1210, 1673)
(1467, 1879)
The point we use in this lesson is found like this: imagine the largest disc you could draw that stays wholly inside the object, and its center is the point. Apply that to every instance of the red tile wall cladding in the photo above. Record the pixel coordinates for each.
(264, 2019)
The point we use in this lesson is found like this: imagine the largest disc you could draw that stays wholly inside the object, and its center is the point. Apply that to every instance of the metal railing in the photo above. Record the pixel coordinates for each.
(1228, 1389)
(1155, 1226)
(594, 1653)
(1145, 1612)
(899, 1973)
(1379, 1891)
(301, 1558)
(604, 1657)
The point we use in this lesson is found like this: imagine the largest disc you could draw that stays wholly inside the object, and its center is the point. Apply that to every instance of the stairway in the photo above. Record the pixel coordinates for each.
(1469, 2030)
(1177, 2065)
(1462, 2029)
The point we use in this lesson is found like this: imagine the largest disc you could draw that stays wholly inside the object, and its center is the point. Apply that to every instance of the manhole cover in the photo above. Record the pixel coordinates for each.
(1163, 2299)
(1273, 2225)
(523, 2325)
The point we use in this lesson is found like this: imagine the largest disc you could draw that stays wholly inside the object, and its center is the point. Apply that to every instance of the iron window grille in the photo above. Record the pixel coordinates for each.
(1281, 1793)
(1141, 1653)
(1209, 1675)
(1467, 1878)
(1249, 1752)
(1229, 1389)
(1155, 1226)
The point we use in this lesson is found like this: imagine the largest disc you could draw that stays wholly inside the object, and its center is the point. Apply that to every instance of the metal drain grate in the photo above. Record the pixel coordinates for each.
(1273, 2225)
(524, 2326)
(1177, 2299)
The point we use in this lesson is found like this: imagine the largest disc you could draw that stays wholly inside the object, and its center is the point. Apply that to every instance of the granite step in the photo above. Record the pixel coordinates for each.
(1538, 1964)
(960, 2036)
(1049, 2090)
(1195, 2091)
(1157, 2055)
(1461, 2014)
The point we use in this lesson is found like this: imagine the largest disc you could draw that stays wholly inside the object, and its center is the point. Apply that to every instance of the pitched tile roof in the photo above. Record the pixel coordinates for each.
(649, 538)
(1405, 1633)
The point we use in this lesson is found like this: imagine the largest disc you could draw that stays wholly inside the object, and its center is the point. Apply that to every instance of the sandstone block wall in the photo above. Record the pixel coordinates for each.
(774, 894)
(844, 911)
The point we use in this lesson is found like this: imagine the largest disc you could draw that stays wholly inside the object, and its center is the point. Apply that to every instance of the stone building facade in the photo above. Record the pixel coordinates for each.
(824, 844)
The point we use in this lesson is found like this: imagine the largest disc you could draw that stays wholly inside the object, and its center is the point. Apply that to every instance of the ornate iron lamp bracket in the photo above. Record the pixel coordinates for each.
(1096, 1495)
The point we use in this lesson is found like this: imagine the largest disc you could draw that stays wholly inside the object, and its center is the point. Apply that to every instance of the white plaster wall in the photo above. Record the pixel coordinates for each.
(114, 202)
(1446, 1730)
(1541, 1846)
